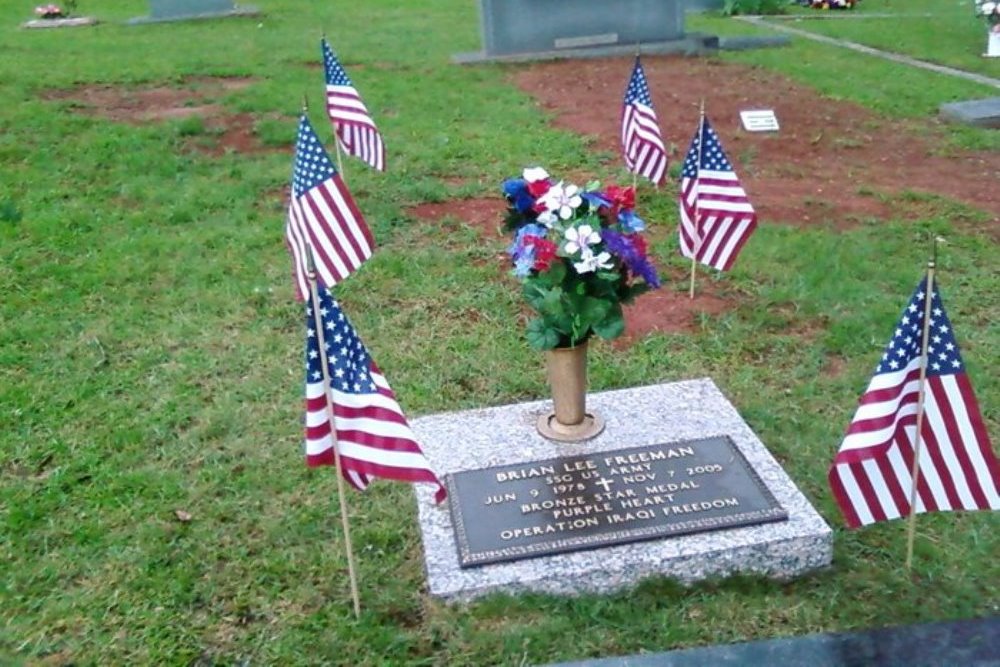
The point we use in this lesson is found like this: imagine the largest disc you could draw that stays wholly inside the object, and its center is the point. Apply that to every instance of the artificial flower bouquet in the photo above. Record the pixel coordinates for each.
(49, 12)
(990, 11)
(832, 4)
(580, 255)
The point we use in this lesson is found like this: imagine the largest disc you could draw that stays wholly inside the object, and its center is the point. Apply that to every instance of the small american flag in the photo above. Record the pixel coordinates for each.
(871, 476)
(322, 217)
(370, 431)
(642, 144)
(352, 123)
(716, 216)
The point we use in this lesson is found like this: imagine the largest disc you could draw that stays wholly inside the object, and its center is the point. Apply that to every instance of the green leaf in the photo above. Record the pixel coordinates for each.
(613, 325)
(593, 311)
(540, 336)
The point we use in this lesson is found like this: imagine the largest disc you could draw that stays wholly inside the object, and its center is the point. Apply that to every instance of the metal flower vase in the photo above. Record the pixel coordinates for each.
(569, 420)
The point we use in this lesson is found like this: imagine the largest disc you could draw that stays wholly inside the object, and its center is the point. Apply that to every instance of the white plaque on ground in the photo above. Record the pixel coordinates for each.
(638, 417)
(759, 120)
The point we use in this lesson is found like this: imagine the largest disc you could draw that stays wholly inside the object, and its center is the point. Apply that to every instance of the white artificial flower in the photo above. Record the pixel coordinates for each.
(547, 218)
(987, 8)
(580, 239)
(592, 262)
(532, 174)
(562, 200)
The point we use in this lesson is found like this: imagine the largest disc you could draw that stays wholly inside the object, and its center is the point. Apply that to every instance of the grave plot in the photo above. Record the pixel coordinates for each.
(207, 128)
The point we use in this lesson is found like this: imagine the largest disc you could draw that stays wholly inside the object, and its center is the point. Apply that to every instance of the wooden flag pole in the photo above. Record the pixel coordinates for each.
(336, 141)
(318, 323)
(340, 162)
(635, 174)
(697, 197)
(918, 440)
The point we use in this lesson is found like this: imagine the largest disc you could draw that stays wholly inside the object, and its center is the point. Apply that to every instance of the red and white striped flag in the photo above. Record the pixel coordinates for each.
(322, 217)
(642, 144)
(716, 215)
(370, 431)
(871, 476)
(352, 123)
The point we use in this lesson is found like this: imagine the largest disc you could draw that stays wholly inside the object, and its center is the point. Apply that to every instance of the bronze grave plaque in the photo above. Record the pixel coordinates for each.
(570, 503)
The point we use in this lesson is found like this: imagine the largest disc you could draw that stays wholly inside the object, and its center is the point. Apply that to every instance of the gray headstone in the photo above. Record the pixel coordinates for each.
(182, 10)
(567, 27)
(636, 418)
(163, 9)
(981, 113)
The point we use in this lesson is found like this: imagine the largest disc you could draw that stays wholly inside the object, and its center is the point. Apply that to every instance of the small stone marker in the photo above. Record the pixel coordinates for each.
(682, 516)
(759, 120)
(60, 23)
(980, 113)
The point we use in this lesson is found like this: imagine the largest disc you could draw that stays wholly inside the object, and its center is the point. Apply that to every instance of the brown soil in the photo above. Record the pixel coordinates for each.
(485, 213)
(223, 131)
(832, 162)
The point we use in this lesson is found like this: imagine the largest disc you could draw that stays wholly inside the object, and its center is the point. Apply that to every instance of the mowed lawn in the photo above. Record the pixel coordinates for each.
(154, 504)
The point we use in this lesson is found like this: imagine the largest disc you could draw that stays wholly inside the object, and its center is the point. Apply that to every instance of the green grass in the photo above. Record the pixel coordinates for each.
(150, 356)
(941, 31)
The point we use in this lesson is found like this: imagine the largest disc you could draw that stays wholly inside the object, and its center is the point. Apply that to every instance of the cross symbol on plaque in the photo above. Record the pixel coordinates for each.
(605, 483)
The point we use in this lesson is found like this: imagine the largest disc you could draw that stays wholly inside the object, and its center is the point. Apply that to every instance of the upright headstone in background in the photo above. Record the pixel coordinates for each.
(183, 10)
(528, 29)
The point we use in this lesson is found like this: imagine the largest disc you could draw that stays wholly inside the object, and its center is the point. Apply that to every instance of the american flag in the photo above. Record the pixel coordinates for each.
(716, 216)
(642, 144)
(322, 217)
(352, 123)
(871, 475)
(372, 434)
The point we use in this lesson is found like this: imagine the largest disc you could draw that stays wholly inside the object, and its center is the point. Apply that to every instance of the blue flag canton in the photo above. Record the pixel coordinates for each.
(943, 356)
(713, 158)
(335, 74)
(312, 164)
(349, 363)
(638, 89)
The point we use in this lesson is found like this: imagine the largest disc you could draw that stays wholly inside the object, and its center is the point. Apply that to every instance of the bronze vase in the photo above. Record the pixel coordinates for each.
(568, 421)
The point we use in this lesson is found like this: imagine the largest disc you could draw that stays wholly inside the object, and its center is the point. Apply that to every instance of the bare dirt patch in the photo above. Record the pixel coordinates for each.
(828, 164)
(483, 213)
(221, 131)
(666, 311)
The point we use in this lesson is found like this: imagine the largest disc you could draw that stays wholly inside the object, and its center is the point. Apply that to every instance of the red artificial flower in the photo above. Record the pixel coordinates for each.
(621, 198)
(538, 188)
(545, 252)
(639, 243)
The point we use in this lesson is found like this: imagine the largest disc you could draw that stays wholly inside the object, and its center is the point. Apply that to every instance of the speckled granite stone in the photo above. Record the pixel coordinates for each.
(635, 417)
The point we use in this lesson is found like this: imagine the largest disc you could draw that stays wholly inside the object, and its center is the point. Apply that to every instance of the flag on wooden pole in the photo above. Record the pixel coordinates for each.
(353, 125)
(322, 216)
(716, 215)
(370, 430)
(642, 144)
(871, 476)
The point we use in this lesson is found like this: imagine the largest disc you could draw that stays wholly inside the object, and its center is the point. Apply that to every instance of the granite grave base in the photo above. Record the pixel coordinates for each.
(979, 113)
(661, 414)
(73, 22)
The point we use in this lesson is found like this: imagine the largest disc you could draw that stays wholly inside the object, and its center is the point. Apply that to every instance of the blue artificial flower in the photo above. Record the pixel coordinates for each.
(622, 246)
(516, 190)
(631, 223)
(524, 262)
(530, 229)
(596, 200)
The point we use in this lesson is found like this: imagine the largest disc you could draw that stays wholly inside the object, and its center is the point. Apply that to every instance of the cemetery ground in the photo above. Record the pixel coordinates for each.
(154, 503)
